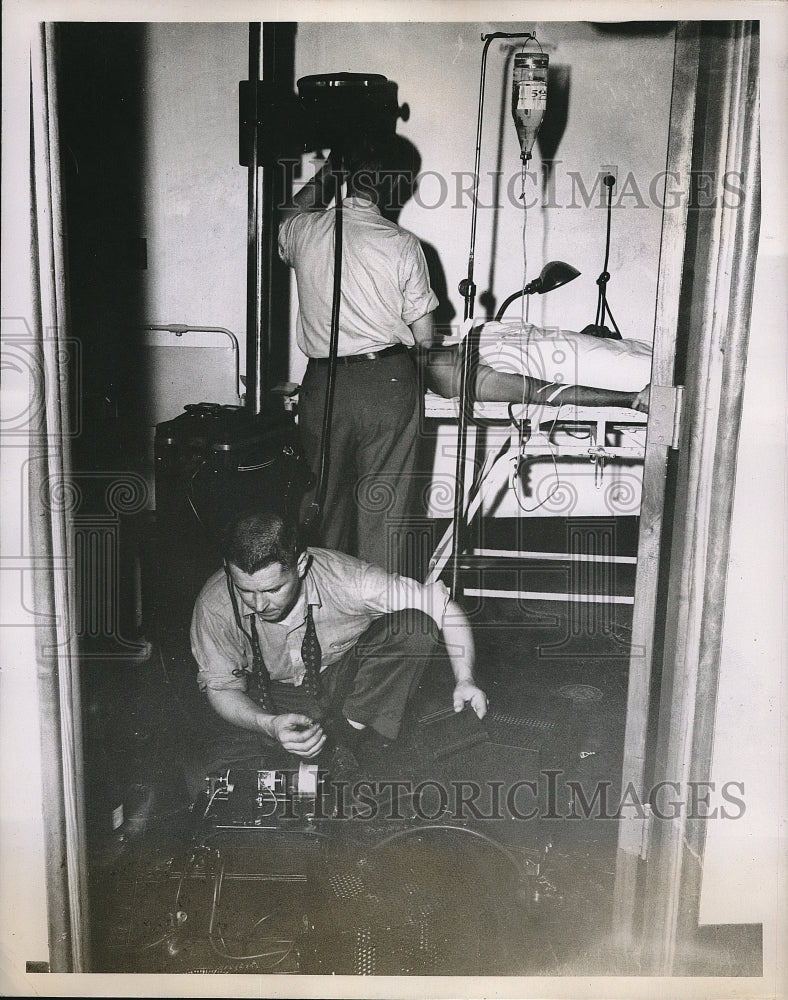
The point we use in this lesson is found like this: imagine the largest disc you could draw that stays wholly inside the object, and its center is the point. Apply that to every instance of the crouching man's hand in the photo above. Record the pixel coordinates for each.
(466, 693)
(298, 734)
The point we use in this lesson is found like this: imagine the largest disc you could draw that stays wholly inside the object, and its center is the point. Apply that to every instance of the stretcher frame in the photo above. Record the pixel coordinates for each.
(479, 478)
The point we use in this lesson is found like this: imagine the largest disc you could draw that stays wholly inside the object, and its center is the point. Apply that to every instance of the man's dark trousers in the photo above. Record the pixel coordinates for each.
(374, 431)
(371, 684)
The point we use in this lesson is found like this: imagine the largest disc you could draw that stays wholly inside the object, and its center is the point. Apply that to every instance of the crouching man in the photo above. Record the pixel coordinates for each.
(311, 649)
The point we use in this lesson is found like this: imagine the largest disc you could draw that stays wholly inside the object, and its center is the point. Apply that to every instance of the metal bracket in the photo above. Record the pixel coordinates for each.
(635, 832)
(665, 414)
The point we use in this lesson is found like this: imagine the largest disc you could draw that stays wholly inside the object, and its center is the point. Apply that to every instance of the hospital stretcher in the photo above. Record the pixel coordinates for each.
(598, 434)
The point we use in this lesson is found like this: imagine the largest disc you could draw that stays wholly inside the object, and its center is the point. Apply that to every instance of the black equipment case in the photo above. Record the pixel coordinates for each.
(211, 463)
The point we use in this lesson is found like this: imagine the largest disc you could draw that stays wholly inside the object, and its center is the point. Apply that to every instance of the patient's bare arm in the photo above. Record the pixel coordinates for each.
(442, 374)
(502, 387)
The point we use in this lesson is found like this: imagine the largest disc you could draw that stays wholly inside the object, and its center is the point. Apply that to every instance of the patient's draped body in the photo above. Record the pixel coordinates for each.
(565, 358)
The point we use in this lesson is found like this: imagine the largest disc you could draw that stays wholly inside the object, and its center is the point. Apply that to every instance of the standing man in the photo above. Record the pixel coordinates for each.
(385, 308)
(298, 647)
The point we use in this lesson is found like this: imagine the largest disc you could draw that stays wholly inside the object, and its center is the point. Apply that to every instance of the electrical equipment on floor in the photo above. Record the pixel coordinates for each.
(434, 900)
(264, 799)
(275, 877)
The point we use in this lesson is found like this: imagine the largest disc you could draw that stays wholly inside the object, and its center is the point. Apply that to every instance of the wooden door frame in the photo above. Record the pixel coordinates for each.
(49, 471)
(658, 441)
(717, 284)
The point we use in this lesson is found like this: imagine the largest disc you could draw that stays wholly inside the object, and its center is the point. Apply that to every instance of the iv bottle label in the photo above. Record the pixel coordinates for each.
(531, 96)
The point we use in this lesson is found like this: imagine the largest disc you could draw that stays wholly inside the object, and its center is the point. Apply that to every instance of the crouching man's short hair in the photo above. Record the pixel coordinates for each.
(253, 541)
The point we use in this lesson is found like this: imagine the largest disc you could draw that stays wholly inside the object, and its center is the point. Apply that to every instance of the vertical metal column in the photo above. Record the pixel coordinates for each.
(267, 234)
(253, 270)
(260, 235)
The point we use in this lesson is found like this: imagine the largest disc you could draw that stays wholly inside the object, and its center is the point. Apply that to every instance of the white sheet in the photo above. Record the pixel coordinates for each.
(565, 357)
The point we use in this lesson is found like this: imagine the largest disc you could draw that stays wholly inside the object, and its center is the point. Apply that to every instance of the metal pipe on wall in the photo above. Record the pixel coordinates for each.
(267, 233)
(253, 270)
(260, 234)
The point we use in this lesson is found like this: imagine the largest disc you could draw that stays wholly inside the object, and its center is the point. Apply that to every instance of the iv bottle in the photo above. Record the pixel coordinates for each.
(529, 97)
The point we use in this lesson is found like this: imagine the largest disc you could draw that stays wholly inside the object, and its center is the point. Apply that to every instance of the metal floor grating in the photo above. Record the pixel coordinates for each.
(516, 721)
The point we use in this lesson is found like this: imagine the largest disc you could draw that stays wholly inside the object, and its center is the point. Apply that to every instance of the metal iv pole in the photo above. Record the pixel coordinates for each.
(470, 348)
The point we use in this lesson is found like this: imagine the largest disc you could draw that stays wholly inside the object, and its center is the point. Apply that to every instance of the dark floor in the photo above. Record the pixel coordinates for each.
(486, 805)
(493, 858)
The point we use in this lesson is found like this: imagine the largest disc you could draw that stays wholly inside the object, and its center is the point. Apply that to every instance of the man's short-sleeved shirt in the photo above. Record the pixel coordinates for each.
(346, 595)
(385, 282)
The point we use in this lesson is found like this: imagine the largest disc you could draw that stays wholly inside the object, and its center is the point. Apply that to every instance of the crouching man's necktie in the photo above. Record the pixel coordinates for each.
(261, 679)
(311, 655)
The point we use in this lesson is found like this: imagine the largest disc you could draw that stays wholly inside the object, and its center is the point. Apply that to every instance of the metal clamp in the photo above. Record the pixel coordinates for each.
(599, 457)
(665, 413)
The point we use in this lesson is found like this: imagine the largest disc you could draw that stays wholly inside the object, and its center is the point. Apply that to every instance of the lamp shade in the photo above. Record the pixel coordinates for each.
(554, 274)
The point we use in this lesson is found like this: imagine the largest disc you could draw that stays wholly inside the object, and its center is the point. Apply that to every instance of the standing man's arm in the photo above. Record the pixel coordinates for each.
(423, 330)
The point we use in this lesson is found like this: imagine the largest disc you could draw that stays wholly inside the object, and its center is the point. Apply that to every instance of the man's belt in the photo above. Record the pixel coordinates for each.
(352, 359)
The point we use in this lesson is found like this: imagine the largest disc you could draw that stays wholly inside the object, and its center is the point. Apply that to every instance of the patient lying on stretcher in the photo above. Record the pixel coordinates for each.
(522, 363)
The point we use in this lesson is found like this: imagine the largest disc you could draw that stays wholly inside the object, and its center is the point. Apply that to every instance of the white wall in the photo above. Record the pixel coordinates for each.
(618, 114)
(742, 856)
(617, 117)
(741, 853)
(195, 190)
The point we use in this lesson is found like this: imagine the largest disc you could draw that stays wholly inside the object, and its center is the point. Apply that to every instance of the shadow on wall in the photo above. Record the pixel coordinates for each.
(638, 29)
(445, 312)
(100, 94)
(100, 91)
(552, 129)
